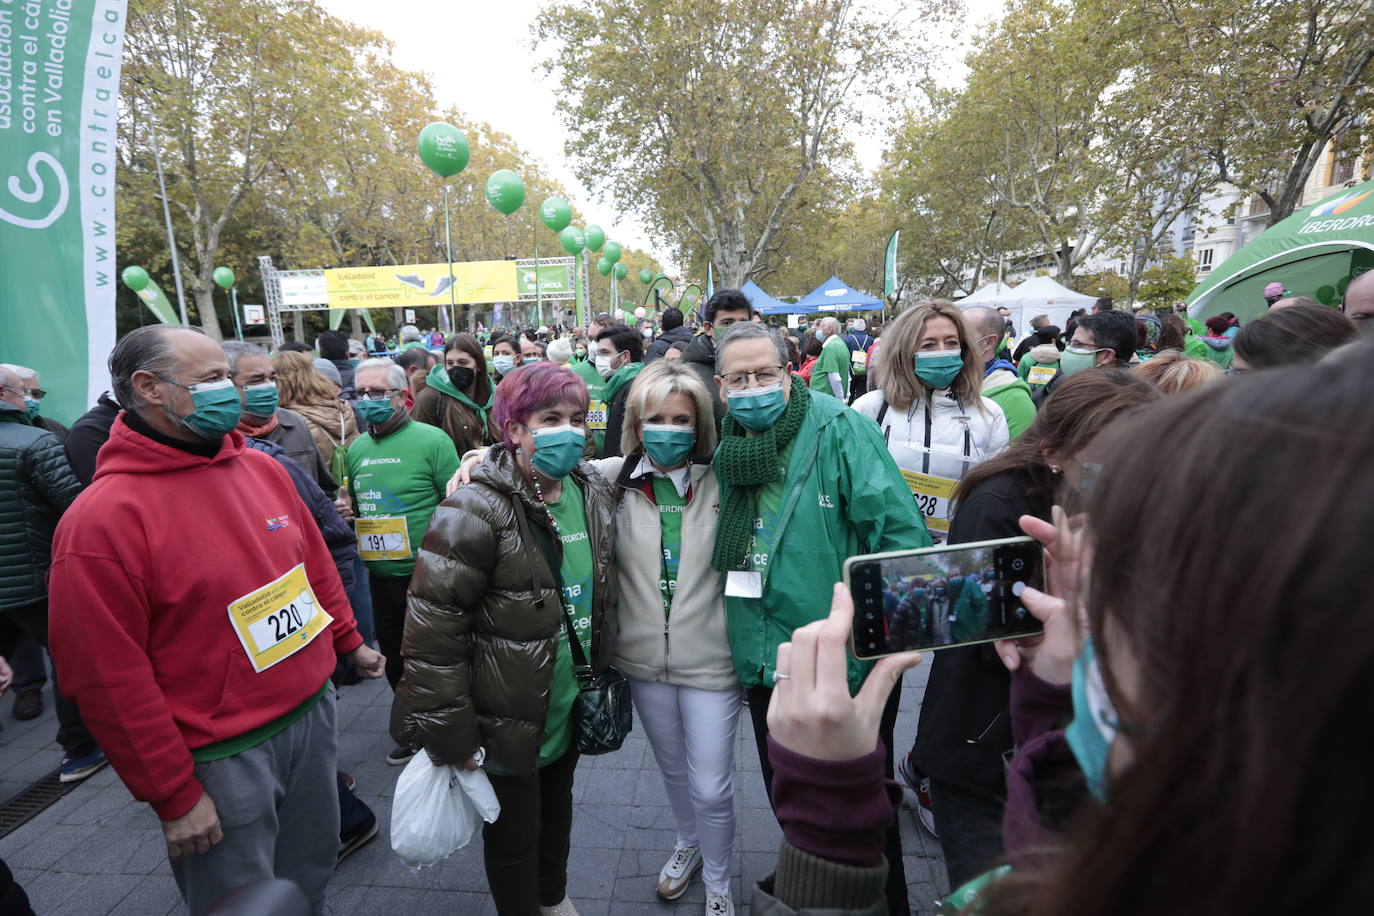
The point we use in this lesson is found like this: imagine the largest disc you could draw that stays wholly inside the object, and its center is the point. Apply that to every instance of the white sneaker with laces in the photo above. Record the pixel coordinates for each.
(719, 905)
(677, 873)
(563, 908)
(919, 787)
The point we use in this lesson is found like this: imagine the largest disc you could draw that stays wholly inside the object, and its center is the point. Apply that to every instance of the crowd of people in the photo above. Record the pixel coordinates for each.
(492, 521)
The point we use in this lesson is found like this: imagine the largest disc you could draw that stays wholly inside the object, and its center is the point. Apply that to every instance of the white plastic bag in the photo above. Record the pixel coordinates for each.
(438, 809)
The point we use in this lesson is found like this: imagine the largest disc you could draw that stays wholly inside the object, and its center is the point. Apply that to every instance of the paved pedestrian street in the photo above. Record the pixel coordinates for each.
(96, 850)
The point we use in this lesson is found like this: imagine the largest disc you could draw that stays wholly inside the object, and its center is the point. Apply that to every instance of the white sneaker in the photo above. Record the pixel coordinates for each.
(919, 787)
(563, 908)
(677, 873)
(719, 905)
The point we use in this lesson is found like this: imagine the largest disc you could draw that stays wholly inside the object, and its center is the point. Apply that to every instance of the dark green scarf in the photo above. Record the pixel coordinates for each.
(619, 379)
(438, 379)
(743, 464)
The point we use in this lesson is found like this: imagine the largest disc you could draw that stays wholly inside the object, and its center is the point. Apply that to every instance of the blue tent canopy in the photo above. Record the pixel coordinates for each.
(834, 296)
(764, 303)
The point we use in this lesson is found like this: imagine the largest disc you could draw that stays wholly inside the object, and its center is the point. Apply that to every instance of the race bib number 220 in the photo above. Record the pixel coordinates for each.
(279, 619)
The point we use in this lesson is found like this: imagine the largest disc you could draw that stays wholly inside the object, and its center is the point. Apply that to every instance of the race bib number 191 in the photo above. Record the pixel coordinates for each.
(278, 620)
(383, 539)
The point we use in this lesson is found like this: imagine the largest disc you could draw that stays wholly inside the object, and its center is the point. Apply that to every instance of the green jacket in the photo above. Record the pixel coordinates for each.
(403, 474)
(1013, 395)
(597, 407)
(842, 496)
(1195, 348)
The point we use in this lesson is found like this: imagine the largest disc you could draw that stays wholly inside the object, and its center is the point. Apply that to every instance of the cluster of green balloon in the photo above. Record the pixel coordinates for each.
(224, 277)
(1333, 295)
(136, 278)
(505, 191)
(444, 149)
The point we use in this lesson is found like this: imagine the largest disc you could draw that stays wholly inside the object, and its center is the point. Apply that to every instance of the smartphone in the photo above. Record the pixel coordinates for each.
(938, 597)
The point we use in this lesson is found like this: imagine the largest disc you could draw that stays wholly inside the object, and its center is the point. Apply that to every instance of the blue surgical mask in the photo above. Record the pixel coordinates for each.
(668, 445)
(1094, 726)
(557, 450)
(503, 364)
(260, 400)
(217, 408)
(938, 368)
(1076, 359)
(757, 409)
(375, 412)
(32, 405)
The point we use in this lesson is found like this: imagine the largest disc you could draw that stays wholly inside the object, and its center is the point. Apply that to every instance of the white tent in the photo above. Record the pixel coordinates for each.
(1036, 296)
(993, 291)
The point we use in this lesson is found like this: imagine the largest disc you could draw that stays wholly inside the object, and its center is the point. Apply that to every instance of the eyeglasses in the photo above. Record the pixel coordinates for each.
(35, 393)
(376, 394)
(768, 375)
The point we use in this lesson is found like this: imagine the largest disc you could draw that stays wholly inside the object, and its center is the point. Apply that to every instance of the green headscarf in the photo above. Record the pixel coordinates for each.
(438, 379)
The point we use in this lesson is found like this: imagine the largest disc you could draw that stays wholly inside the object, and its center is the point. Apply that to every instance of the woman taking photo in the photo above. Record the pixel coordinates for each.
(488, 666)
(457, 396)
(936, 423)
(964, 729)
(673, 645)
(301, 387)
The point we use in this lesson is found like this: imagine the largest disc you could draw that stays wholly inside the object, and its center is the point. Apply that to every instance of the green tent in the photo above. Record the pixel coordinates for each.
(1313, 253)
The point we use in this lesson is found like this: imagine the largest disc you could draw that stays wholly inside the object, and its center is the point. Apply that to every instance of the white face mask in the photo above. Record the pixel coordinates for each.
(603, 365)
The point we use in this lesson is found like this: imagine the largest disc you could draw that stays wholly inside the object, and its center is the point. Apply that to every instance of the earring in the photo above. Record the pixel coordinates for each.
(1054, 469)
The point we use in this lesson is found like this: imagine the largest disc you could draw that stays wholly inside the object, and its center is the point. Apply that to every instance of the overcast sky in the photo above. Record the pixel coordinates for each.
(479, 59)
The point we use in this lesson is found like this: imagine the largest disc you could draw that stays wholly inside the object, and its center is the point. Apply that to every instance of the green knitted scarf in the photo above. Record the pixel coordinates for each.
(743, 464)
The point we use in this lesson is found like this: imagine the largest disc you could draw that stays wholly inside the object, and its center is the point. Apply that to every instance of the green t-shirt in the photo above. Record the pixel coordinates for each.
(596, 405)
(570, 513)
(766, 525)
(670, 508)
(403, 475)
(834, 358)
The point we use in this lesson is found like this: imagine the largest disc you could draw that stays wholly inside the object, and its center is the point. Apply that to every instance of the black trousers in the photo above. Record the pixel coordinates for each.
(32, 620)
(895, 892)
(389, 619)
(526, 850)
(970, 826)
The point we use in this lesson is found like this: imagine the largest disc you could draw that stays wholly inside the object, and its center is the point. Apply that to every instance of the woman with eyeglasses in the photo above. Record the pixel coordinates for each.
(935, 421)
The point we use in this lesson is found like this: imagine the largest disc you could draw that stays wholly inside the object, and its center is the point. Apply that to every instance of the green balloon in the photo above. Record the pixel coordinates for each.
(596, 237)
(224, 277)
(571, 239)
(603, 267)
(612, 251)
(444, 149)
(1326, 295)
(505, 191)
(555, 213)
(620, 271)
(136, 278)
(646, 276)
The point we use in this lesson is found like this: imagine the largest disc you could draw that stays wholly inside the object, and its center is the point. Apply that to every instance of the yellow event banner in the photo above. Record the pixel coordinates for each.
(413, 285)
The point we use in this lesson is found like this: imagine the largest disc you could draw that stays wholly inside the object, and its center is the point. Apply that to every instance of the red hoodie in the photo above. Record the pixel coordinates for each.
(146, 563)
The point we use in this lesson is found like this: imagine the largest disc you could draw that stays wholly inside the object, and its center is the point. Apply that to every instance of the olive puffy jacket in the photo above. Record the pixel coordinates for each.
(479, 648)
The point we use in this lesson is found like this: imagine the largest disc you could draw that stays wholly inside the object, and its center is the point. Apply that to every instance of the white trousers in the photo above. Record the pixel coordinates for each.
(692, 732)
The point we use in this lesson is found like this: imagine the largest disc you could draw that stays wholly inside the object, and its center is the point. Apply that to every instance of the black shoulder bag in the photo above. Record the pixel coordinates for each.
(601, 715)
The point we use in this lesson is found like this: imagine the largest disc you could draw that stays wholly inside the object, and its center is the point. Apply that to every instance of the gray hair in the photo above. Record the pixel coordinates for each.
(830, 324)
(235, 350)
(410, 333)
(395, 375)
(748, 330)
(145, 349)
(20, 372)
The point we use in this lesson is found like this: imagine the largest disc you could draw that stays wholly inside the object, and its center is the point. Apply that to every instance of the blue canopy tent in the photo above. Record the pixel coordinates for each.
(764, 303)
(834, 296)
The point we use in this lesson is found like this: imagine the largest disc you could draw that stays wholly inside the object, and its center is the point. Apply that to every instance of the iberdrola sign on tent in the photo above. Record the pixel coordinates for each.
(1315, 252)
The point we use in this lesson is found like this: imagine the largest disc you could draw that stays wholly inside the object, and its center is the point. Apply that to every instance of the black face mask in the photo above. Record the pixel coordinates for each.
(461, 377)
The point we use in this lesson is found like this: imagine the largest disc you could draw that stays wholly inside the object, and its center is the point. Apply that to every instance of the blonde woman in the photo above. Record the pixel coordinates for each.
(303, 389)
(1173, 372)
(928, 403)
(673, 644)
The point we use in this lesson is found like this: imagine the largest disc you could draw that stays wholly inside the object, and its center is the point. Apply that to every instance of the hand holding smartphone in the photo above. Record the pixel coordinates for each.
(937, 597)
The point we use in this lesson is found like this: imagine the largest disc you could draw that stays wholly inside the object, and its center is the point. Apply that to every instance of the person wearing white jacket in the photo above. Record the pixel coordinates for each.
(672, 644)
(936, 423)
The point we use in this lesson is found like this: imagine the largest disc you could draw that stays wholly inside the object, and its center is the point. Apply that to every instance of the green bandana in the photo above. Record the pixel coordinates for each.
(622, 377)
(743, 464)
(438, 378)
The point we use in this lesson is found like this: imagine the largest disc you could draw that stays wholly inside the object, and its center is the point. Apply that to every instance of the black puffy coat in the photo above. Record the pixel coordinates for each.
(36, 487)
(480, 635)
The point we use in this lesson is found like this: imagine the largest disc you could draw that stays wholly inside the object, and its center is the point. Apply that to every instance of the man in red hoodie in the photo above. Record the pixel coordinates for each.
(196, 615)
